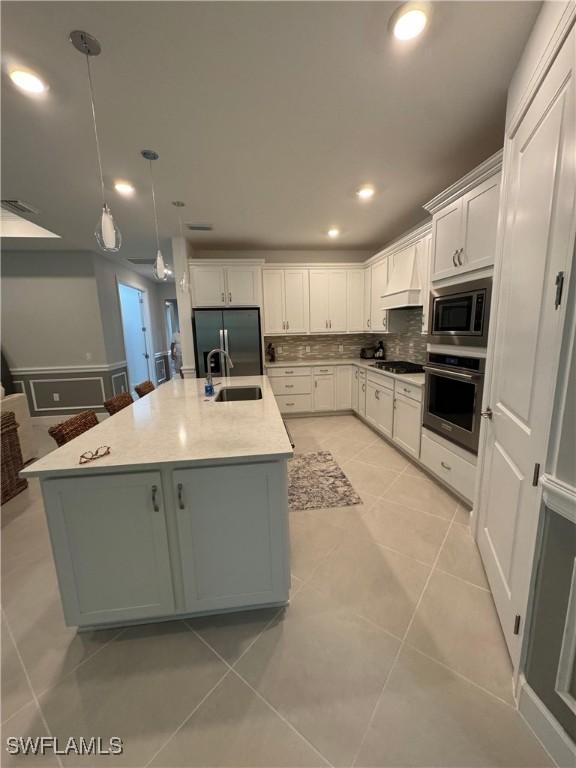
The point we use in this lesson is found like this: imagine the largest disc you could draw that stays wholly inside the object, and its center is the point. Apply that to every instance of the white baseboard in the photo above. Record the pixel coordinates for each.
(554, 738)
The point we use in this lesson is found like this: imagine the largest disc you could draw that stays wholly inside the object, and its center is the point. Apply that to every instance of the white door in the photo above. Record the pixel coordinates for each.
(446, 240)
(134, 329)
(479, 225)
(297, 303)
(324, 392)
(231, 535)
(242, 286)
(355, 388)
(208, 286)
(385, 418)
(379, 282)
(111, 547)
(538, 245)
(319, 300)
(338, 317)
(367, 299)
(273, 284)
(356, 313)
(407, 424)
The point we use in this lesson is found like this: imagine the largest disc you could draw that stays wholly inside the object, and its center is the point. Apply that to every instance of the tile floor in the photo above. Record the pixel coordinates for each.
(389, 654)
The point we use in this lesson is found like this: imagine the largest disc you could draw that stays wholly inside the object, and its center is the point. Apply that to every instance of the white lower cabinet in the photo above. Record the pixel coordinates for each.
(231, 535)
(355, 387)
(343, 394)
(294, 403)
(407, 423)
(324, 392)
(361, 392)
(456, 471)
(110, 547)
(380, 405)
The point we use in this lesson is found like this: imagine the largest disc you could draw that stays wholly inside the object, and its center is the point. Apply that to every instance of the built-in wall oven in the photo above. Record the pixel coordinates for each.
(459, 314)
(453, 397)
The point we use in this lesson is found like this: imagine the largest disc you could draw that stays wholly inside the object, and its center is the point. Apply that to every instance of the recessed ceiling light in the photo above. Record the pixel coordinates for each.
(333, 233)
(124, 188)
(409, 22)
(28, 81)
(366, 192)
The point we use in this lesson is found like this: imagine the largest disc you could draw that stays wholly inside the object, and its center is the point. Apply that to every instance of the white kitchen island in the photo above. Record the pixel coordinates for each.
(188, 514)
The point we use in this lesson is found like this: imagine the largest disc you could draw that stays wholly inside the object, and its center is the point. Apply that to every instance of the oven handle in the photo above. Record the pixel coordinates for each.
(453, 374)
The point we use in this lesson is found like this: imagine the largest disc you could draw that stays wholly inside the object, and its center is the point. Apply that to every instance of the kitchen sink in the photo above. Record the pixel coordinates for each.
(230, 394)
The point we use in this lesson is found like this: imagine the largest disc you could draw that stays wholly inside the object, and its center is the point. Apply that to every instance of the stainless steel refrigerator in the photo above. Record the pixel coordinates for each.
(235, 330)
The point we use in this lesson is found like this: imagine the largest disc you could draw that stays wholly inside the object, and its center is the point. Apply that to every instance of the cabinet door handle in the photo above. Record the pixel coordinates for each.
(356, 373)
(326, 323)
(446, 466)
(316, 384)
(289, 403)
(223, 295)
(181, 504)
(405, 389)
(460, 252)
(230, 297)
(288, 372)
(368, 323)
(377, 393)
(289, 386)
(363, 387)
(454, 257)
(155, 505)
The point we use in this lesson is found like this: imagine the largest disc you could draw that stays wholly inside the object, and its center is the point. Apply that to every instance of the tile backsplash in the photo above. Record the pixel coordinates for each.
(404, 343)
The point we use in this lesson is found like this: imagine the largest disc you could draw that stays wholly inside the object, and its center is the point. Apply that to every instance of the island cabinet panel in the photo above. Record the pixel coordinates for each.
(110, 547)
(232, 535)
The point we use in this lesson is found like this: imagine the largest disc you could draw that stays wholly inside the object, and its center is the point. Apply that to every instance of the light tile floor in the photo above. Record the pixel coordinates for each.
(389, 654)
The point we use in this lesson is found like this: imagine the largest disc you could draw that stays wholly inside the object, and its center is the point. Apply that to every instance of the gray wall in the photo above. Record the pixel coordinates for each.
(50, 310)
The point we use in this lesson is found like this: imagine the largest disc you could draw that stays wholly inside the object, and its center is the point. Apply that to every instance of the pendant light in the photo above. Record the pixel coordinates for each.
(107, 233)
(183, 282)
(160, 270)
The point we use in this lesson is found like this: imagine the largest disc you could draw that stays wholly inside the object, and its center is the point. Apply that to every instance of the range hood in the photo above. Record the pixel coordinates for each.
(404, 287)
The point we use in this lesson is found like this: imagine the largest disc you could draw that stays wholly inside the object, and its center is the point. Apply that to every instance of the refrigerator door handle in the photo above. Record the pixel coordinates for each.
(226, 348)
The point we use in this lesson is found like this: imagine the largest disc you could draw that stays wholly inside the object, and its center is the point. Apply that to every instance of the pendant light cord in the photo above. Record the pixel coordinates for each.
(154, 205)
(95, 128)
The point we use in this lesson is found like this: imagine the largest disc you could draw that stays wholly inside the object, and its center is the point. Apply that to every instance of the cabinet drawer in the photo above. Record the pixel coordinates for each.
(294, 403)
(381, 381)
(453, 469)
(409, 390)
(292, 385)
(323, 369)
(295, 371)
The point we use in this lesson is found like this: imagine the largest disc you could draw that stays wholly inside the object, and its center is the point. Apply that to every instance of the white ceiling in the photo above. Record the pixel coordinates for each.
(266, 116)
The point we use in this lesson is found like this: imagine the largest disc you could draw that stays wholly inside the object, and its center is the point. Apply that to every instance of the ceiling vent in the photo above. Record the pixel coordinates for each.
(200, 227)
(19, 207)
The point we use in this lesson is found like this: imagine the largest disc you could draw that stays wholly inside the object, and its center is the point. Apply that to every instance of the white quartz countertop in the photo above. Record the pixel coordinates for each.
(177, 425)
(412, 378)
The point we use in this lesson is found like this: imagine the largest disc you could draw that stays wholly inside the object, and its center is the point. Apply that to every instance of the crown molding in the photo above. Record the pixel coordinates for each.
(485, 170)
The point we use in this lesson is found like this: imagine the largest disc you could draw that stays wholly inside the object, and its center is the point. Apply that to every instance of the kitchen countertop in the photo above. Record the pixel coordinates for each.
(177, 425)
(412, 378)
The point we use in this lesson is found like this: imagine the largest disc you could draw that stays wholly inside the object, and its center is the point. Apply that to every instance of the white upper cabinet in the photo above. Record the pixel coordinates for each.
(328, 301)
(378, 283)
(296, 300)
(218, 285)
(286, 301)
(356, 311)
(273, 286)
(465, 222)
(208, 286)
(243, 286)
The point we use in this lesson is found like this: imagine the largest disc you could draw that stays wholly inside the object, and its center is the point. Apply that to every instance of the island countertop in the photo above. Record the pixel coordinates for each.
(177, 425)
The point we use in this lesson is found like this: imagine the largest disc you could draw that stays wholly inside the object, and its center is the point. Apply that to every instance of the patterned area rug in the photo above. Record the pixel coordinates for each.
(316, 481)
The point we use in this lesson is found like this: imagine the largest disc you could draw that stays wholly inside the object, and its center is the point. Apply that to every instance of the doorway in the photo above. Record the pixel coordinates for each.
(134, 327)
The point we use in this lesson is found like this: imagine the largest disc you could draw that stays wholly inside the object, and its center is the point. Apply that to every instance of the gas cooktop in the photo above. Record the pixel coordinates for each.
(398, 366)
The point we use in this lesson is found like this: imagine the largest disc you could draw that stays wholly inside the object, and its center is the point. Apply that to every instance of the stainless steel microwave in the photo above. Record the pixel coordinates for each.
(459, 314)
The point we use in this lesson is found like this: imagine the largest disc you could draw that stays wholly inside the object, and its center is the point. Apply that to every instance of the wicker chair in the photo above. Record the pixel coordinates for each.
(118, 402)
(11, 484)
(72, 427)
(144, 388)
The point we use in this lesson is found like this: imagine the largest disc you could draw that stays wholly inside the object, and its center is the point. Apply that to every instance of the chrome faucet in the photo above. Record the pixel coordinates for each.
(209, 362)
